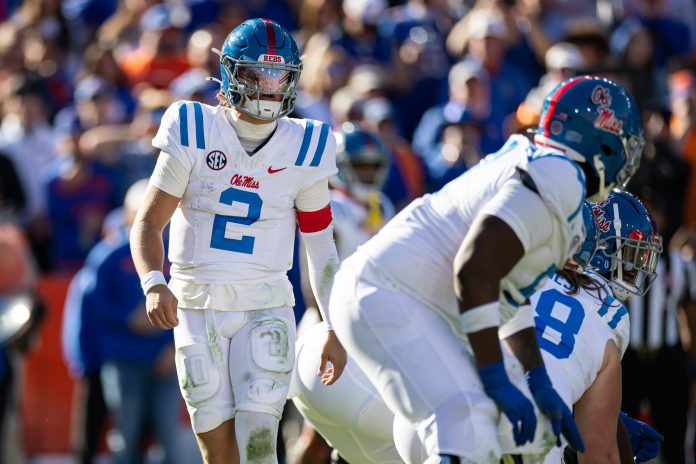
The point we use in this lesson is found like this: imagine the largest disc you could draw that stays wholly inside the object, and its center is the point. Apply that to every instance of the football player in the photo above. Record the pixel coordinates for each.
(419, 306)
(235, 179)
(582, 330)
(358, 205)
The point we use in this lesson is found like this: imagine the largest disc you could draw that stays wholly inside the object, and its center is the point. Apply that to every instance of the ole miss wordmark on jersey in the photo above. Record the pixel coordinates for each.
(236, 220)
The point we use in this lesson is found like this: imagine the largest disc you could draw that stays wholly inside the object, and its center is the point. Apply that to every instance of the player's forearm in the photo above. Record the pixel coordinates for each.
(147, 247)
(524, 346)
(322, 263)
(486, 346)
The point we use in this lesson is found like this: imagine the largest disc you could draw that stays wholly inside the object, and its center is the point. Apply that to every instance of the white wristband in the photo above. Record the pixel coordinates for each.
(523, 318)
(151, 279)
(481, 317)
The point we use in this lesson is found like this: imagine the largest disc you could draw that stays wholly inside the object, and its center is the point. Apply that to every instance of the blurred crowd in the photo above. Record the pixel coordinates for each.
(84, 85)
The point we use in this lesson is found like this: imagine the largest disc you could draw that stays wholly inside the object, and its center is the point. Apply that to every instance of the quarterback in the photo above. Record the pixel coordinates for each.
(235, 180)
(429, 295)
(582, 327)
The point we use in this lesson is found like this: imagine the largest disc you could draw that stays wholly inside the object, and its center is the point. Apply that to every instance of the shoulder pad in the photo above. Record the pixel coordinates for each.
(560, 181)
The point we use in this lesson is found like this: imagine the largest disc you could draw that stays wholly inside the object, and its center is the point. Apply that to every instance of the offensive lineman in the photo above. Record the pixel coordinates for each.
(458, 264)
(234, 180)
(582, 330)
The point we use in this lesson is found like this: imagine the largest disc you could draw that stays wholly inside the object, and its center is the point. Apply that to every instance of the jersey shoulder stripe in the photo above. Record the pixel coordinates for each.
(199, 129)
(307, 139)
(321, 145)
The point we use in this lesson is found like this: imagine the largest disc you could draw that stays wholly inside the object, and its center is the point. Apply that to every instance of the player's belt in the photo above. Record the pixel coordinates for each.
(527, 180)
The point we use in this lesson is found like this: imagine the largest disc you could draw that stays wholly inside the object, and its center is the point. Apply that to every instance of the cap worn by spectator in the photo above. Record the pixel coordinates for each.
(161, 17)
(92, 87)
(623, 34)
(486, 23)
(365, 11)
(563, 56)
(365, 79)
(378, 110)
(464, 71)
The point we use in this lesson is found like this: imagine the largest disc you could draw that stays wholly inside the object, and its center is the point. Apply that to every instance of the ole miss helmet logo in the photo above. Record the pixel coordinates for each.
(607, 120)
(216, 160)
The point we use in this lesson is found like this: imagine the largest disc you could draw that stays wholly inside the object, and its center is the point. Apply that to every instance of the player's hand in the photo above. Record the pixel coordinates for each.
(334, 353)
(553, 407)
(645, 440)
(511, 401)
(161, 305)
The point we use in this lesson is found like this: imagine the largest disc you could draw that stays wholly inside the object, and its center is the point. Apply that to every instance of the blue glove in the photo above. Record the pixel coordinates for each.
(645, 440)
(517, 407)
(553, 407)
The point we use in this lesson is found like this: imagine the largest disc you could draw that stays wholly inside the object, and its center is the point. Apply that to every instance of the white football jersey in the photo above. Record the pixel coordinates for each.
(350, 221)
(573, 331)
(236, 221)
(415, 251)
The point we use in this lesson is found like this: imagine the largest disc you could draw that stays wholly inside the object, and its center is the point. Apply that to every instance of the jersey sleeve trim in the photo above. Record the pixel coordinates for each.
(307, 142)
(183, 125)
(200, 133)
(321, 145)
(314, 221)
(306, 139)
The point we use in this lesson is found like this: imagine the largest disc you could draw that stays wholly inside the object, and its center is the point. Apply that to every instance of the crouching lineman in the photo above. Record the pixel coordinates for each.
(234, 179)
(446, 272)
(582, 328)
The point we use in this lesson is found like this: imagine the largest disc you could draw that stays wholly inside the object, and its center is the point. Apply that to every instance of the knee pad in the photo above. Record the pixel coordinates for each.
(271, 346)
(206, 418)
(265, 386)
(199, 380)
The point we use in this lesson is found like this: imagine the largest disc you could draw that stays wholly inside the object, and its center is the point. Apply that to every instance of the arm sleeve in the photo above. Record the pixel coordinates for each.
(170, 175)
(313, 197)
(322, 263)
(524, 211)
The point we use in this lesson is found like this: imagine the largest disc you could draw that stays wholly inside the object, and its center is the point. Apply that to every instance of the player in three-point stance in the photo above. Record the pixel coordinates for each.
(429, 295)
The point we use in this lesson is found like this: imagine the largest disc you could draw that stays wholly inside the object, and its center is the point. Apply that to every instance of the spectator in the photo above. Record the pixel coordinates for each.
(81, 192)
(99, 62)
(139, 378)
(379, 118)
(563, 61)
(12, 198)
(21, 313)
(469, 105)
(325, 70)
(31, 146)
(81, 336)
(318, 16)
(634, 47)
(160, 56)
(193, 84)
(488, 48)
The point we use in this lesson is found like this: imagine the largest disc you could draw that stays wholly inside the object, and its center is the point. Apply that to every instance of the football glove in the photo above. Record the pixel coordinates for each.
(645, 440)
(511, 401)
(553, 407)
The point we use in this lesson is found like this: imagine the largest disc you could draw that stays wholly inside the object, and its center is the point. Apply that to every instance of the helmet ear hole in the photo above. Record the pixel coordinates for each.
(606, 149)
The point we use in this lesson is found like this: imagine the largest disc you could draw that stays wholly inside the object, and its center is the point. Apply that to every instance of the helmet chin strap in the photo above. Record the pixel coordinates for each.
(619, 292)
(604, 190)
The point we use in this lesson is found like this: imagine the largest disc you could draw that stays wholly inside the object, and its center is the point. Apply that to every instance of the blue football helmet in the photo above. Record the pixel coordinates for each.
(594, 121)
(629, 244)
(586, 250)
(259, 69)
(363, 160)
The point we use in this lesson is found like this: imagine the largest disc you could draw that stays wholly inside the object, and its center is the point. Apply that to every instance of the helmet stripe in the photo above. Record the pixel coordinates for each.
(553, 100)
(270, 31)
